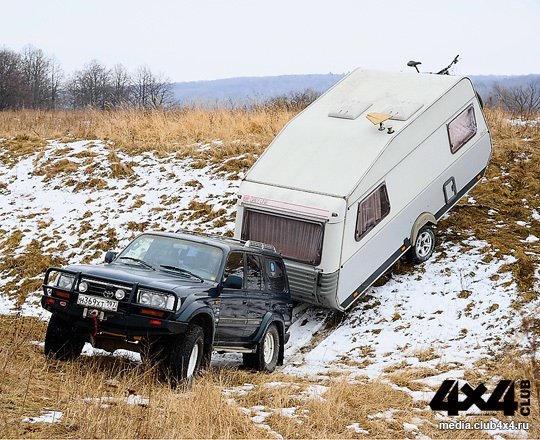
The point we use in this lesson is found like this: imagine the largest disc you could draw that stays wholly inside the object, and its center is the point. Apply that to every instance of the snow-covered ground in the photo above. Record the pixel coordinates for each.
(452, 311)
(67, 200)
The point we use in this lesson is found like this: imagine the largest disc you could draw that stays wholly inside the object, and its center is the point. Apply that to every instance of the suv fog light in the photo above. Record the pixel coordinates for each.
(120, 294)
(83, 286)
(65, 281)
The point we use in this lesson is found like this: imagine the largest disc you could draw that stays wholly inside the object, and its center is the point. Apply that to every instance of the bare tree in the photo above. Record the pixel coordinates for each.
(121, 86)
(521, 101)
(56, 77)
(10, 79)
(34, 80)
(35, 68)
(91, 87)
(150, 91)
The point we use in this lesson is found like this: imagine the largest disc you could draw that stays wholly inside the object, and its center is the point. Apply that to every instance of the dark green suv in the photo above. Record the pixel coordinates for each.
(174, 298)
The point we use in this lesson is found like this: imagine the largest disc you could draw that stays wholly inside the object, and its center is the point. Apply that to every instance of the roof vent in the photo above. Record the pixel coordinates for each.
(349, 110)
(403, 110)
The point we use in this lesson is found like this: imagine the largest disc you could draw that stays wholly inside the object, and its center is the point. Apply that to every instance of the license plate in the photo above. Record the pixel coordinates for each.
(97, 303)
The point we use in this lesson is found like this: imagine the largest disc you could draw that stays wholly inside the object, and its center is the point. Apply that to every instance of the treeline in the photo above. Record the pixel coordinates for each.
(31, 79)
(521, 101)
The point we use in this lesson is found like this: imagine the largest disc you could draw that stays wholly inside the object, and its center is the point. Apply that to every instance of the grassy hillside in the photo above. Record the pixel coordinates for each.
(75, 184)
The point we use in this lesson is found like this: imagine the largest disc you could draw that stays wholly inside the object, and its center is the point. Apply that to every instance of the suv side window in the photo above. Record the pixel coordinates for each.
(274, 279)
(235, 265)
(254, 273)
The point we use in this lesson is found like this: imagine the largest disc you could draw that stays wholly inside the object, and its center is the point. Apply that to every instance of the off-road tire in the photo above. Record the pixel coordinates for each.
(267, 355)
(62, 341)
(184, 360)
(424, 246)
(249, 360)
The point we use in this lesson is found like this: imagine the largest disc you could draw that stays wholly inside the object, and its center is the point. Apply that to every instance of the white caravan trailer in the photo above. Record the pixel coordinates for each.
(343, 193)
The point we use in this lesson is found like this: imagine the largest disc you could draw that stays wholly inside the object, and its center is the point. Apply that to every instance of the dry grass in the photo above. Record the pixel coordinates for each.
(508, 195)
(92, 393)
(26, 267)
(173, 131)
(28, 383)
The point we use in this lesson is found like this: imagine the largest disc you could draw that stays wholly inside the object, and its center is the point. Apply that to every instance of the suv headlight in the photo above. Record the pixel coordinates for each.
(65, 281)
(155, 299)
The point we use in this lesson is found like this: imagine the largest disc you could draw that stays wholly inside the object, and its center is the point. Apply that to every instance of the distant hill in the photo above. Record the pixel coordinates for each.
(484, 83)
(249, 90)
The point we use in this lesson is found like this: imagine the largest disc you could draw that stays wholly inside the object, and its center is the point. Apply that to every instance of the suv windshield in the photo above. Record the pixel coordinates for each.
(168, 253)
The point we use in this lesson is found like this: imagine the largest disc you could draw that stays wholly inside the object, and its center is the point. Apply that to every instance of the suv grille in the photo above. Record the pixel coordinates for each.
(98, 288)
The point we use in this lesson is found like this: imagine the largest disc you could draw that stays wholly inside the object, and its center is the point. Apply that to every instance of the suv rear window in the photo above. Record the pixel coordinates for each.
(295, 239)
(274, 277)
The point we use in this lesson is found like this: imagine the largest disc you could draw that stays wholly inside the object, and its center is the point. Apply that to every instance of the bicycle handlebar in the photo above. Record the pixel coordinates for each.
(446, 70)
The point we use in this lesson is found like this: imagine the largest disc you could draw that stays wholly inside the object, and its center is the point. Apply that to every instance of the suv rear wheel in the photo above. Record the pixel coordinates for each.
(267, 354)
(62, 342)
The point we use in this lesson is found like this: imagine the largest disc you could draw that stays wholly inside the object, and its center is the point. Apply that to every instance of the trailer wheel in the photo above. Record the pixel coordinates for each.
(424, 245)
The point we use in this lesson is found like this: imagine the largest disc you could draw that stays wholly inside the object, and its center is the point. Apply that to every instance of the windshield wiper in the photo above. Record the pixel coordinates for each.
(181, 270)
(138, 260)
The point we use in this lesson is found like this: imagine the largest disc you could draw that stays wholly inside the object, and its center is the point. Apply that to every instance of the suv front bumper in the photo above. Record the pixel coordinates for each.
(126, 325)
(129, 320)
(120, 324)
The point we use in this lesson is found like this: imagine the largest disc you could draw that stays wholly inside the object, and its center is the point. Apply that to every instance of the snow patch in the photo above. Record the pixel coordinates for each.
(45, 417)
(357, 428)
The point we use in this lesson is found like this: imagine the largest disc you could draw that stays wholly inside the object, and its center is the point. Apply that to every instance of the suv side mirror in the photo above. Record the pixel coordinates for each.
(233, 282)
(110, 257)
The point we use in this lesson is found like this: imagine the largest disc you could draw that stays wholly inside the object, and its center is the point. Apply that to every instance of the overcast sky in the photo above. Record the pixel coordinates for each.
(211, 39)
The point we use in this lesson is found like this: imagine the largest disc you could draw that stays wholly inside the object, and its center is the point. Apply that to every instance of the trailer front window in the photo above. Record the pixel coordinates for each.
(462, 129)
(371, 211)
(295, 239)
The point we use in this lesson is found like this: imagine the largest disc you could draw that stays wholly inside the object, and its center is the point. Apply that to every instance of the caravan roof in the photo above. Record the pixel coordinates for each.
(328, 147)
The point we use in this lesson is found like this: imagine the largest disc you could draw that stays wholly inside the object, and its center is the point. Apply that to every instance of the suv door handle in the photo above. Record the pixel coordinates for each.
(244, 301)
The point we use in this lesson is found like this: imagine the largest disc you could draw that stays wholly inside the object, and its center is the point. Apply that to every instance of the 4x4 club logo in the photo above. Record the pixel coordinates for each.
(503, 398)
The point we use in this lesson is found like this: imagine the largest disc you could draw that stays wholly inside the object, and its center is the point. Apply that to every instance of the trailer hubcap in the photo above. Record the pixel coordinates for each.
(269, 347)
(424, 244)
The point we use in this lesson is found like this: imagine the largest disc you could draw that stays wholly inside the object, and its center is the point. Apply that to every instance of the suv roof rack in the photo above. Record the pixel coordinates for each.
(248, 243)
(259, 245)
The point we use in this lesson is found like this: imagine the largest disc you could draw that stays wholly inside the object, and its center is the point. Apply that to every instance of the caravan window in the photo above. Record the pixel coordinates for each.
(461, 129)
(371, 211)
(295, 239)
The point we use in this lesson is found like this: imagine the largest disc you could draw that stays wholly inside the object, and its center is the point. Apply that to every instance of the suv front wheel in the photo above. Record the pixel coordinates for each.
(267, 354)
(186, 355)
(62, 342)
